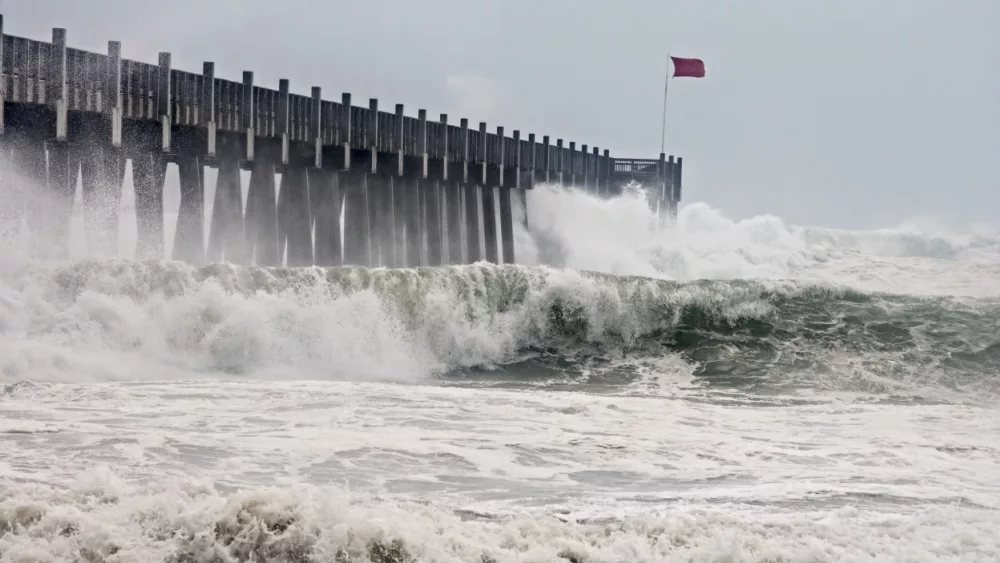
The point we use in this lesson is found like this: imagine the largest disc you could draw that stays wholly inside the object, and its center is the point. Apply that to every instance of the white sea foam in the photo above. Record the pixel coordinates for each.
(619, 236)
(602, 478)
(119, 321)
(106, 521)
(161, 442)
(101, 320)
(571, 229)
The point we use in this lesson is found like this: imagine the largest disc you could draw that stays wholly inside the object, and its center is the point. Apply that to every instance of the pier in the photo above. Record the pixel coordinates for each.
(411, 190)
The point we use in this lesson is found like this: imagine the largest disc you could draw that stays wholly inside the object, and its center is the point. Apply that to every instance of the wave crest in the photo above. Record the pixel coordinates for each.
(574, 230)
(356, 323)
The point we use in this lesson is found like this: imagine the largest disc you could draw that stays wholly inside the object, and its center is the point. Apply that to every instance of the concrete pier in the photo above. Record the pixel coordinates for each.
(330, 183)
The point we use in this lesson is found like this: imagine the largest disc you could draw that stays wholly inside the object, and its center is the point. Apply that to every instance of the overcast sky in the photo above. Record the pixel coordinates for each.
(853, 113)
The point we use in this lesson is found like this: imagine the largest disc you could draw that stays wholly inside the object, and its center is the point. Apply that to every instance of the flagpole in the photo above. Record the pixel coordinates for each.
(666, 85)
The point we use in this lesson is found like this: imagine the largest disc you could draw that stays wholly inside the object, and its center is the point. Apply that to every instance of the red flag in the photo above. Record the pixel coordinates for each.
(694, 68)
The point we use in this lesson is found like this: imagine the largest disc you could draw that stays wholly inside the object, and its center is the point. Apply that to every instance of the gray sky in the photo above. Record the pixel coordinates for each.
(854, 113)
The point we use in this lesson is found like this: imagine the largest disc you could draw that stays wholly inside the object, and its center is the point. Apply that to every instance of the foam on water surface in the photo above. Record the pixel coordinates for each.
(104, 520)
(721, 391)
(516, 476)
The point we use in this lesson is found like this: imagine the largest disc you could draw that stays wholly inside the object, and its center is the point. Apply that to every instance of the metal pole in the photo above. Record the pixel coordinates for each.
(666, 84)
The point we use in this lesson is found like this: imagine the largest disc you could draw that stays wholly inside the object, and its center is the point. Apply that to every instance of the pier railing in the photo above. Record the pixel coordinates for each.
(99, 83)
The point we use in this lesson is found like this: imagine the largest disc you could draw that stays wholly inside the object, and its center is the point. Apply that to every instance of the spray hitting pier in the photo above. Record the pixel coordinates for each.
(411, 191)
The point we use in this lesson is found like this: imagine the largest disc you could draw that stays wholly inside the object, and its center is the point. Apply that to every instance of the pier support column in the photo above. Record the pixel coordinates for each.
(607, 167)
(432, 221)
(64, 166)
(324, 190)
(490, 224)
(114, 168)
(676, 172)
(452, 192)
(356, 222)
(558, 171)
(29, 183)
(189, 236)
(473, 252)
(400, 207)
(294, 234)
(226, 237)
(546, 173)
(655, 189)
(665, 188)
(506, 225)
(569, 167)
(148, 171)
(413, 222)
(102, 170)
(383, 222)
(595, 172)
(10, 200)
(522, 195)
(261, 218)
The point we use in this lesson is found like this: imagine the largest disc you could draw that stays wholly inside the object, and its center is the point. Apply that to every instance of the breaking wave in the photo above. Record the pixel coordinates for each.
(162, 319)
(618, 236)
(754, 308)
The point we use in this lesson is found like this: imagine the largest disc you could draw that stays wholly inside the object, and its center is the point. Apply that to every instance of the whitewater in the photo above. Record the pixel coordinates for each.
(720, 390)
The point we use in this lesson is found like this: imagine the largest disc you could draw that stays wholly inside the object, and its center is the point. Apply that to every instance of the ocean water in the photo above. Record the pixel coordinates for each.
(723, 391)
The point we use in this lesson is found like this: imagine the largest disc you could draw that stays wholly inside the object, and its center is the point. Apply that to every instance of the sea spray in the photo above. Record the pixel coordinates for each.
(573, 229)
(408, 325)
(835, 401)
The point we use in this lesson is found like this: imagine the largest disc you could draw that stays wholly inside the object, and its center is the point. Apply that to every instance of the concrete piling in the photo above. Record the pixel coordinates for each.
(261, 226)
(149, 168)
(356, 224)
(294, 236)
(380, 194)
(189, 236)
(451, 191)
(383, 220)
(102, 170)
(226, 238)
(393, 171)
(324, 191)
(487, 199)
(410, 194)
(473, 248)
(675, 182)
(432, 221)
